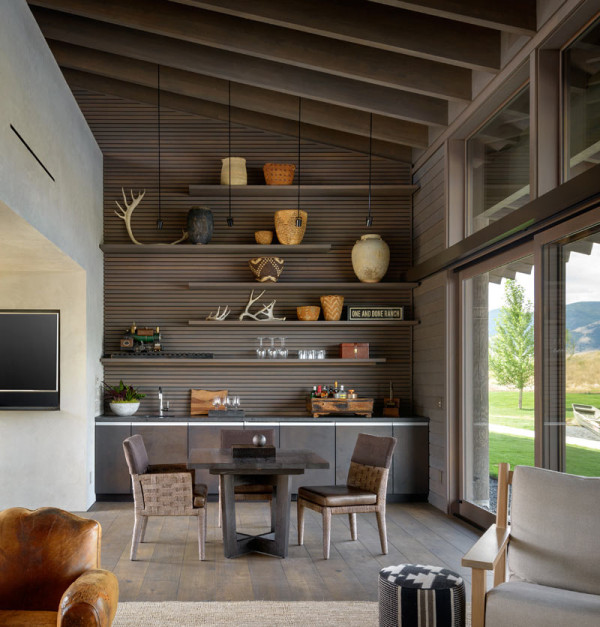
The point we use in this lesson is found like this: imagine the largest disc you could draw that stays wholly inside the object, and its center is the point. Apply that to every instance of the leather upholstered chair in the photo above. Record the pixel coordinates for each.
(162, 490)
(246, 492)
(548, 549)
(49, 570)
(365, 490)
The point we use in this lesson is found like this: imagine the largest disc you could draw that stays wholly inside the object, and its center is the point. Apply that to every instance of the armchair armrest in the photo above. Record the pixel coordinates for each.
(488, 550)
(160, 468)
(90, 601)
(167, 493)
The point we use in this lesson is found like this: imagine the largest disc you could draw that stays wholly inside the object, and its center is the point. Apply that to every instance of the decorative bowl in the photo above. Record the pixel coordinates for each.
(332, 307)
(285, 224)
(124, 409)
(263, 237)
(279, 173)
(308, 312)
(266, 268)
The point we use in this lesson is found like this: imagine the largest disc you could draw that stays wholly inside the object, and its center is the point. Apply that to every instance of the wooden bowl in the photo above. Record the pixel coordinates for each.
(263, 237)
(308, 312)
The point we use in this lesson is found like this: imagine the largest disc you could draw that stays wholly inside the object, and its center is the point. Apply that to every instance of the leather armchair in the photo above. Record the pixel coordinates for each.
(548, 551)
(49, 571)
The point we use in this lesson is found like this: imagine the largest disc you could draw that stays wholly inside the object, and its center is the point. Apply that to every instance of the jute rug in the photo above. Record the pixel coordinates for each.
(250, 614)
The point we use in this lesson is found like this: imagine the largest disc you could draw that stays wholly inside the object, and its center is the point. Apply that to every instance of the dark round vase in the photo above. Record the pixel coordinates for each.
(200, 225)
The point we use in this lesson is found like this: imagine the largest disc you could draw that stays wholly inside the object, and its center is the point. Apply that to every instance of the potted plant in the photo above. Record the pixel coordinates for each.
(124, 399)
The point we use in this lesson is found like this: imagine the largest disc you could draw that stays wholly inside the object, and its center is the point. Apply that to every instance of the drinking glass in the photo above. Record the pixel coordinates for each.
(261, 351)
(272, 351)
(282, 351)
(236, 402)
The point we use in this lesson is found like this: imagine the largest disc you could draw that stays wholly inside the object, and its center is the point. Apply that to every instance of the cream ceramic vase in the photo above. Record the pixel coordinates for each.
(370, 258)
(238, 171)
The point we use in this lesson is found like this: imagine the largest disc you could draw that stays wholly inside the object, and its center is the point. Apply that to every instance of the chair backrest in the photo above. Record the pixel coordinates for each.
(136, 455)
(555, 520)
(42, 552)
(229, 437)
(370, 463)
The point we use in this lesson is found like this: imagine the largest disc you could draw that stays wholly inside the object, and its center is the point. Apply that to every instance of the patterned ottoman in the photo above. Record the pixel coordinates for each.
(412, 595)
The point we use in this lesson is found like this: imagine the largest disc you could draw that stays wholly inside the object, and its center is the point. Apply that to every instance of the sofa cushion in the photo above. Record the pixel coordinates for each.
(519, 603)
(554, 524)
(19, 618)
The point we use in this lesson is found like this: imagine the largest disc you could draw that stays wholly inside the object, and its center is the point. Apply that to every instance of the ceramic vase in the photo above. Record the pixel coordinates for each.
(332, 307)
(266, 268)
(285, 226)
(370, 258)
(238, 171)
(200, 225)
(124, 409)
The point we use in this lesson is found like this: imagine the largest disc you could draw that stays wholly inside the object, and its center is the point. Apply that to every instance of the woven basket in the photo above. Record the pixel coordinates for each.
(308, 312)
(332, 307)
(285, 225)
(279, 173)
(237, 166)
(263, 237)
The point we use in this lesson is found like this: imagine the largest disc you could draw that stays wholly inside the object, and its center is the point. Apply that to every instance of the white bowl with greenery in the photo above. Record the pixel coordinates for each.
(124, 399)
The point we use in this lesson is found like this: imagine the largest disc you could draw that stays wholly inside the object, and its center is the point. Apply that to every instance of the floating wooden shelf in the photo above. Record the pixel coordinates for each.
(304, 285)
(279, 191)
(164, 361)
(301, 323)
(216, 249)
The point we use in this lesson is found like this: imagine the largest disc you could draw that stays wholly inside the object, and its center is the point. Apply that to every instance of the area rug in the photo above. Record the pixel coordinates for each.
(250, 614)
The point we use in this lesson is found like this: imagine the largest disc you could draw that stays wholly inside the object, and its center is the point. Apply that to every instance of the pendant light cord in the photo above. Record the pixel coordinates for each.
(159, 223)
(229, 218)
(298, 218)
(369, 217)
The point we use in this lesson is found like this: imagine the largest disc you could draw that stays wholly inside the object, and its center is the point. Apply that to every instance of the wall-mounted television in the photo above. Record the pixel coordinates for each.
(29, 359)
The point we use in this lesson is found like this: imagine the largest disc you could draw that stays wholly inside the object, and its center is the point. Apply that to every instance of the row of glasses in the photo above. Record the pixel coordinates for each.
(311, 353)
(227, 402)
(272, 351)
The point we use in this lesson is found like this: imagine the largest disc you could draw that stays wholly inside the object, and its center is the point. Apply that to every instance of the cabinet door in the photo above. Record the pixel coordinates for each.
(319, 438)
(411, 459)
(346, 435)
(165, 443)
(208, 436)
(112, 474)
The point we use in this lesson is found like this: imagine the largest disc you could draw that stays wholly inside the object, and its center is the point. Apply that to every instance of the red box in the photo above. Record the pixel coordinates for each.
(355, 350)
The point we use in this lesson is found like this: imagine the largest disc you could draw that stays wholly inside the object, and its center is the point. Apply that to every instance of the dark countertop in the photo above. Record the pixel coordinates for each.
(108, 418)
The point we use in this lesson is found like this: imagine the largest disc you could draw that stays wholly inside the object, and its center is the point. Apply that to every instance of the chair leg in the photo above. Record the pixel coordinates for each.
(300, 521)
(353, 527)
(220, 492)
(202, 533)
(382, 530)
(326, 531)
(137, 533)
(144, 525)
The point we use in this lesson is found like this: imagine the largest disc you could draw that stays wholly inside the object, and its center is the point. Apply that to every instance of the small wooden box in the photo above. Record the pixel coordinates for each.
(248, 451)
(328, 406)
(354, 350)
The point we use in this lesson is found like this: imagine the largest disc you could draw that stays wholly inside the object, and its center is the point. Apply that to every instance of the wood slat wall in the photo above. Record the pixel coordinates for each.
(153, 289)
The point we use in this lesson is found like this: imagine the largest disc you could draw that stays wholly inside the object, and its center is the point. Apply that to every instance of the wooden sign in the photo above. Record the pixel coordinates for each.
(375, 313)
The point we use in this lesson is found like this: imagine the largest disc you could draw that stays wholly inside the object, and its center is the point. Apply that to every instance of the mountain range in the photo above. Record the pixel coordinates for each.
(583, 323)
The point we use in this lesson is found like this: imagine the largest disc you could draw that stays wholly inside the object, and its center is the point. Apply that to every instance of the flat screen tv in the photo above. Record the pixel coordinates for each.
(29, 359)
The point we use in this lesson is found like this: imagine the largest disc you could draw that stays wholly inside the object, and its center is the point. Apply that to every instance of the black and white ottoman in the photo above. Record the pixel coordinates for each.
(412, 595)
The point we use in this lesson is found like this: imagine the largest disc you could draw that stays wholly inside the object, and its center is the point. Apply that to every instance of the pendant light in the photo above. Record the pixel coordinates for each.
(298, 216)
(369, 220)
(229, 217)
(159, 222)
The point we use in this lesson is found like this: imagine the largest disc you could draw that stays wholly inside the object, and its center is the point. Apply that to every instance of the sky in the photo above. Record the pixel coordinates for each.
(582, 281)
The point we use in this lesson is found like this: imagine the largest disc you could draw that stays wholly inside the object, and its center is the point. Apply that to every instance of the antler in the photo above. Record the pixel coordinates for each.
(219, 315)
(265, 310)
(125, 214)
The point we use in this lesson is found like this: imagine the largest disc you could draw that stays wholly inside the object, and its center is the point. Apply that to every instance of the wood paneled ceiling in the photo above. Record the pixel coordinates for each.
(405, 62)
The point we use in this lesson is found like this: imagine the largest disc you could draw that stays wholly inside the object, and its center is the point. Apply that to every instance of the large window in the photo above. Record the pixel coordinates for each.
(498, 164)
(581, 63)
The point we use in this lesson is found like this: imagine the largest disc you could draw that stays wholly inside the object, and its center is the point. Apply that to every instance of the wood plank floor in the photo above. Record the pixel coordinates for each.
(168, 568)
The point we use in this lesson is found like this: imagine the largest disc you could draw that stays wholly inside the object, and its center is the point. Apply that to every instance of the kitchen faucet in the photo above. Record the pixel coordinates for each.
(160, 401)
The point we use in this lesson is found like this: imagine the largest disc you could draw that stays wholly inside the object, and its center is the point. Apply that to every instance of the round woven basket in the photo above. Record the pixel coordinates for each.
(263, 237)
(285, 226)
(332, 307)
(308, 312)
(279, 173)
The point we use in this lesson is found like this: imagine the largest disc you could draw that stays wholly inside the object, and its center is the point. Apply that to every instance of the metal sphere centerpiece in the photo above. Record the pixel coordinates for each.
(259, 440)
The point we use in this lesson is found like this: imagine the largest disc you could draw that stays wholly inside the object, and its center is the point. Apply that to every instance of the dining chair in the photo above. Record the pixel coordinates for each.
(365, 490)
(162, 490)
(247, 492)
(50, 570)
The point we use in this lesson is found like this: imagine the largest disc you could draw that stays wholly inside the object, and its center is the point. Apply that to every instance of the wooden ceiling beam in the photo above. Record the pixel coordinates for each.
(366, 23)
(242, 69)
(513, 16)
(215, 111)
(304, 50)
(243, 96)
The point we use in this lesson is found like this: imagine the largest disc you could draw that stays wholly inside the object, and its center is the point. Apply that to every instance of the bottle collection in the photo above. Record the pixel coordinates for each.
(331, 391)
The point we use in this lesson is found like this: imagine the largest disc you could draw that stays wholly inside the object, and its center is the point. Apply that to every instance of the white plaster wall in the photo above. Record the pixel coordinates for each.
(68, 213)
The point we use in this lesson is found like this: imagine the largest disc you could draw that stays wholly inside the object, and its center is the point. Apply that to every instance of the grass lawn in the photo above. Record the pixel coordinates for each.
(519, 450)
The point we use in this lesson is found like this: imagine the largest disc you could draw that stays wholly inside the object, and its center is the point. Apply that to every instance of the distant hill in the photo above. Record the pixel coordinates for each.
(583, 322)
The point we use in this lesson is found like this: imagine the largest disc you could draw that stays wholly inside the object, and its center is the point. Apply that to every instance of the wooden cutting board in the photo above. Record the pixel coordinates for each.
(202, 400)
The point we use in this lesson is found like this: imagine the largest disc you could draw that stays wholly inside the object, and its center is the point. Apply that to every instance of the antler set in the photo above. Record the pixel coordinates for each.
(266, 311)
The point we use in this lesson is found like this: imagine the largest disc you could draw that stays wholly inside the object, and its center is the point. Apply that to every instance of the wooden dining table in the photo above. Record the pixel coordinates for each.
(275, 471)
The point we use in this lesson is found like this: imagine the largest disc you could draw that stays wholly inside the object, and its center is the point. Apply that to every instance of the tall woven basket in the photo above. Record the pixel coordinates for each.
(285, 226)
(279, 173)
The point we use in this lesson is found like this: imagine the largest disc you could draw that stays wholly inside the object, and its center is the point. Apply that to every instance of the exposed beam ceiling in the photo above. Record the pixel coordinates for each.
(243, 96)
(122, 89)
(379, 26)
(242, 69)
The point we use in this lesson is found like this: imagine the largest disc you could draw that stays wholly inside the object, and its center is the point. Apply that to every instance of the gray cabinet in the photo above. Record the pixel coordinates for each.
(346, 436)
(411, 459)
(319, 438)
(112, 474)
(165, 443)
